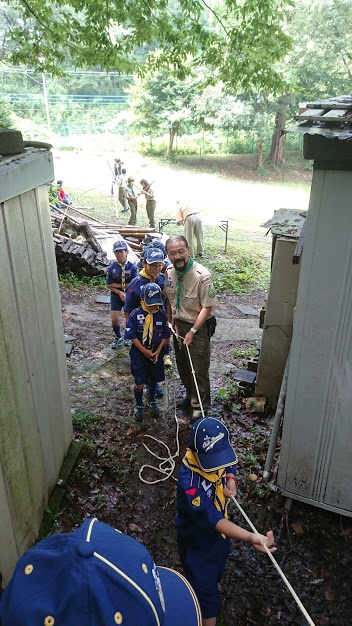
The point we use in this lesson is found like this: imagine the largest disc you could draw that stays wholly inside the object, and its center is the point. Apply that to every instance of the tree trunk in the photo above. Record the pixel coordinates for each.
(278, 139)
(260, 144)
(173, 130)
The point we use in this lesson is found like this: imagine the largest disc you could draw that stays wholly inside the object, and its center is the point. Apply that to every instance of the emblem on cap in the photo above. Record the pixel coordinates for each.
(209, 442)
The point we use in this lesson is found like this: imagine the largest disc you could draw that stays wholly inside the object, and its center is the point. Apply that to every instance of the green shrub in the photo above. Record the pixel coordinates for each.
(241, 272)
(82, 418)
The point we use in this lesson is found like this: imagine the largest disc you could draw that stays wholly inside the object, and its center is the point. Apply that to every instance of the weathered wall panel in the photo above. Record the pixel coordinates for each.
(35, 416)
(316, 451)
(278, 323)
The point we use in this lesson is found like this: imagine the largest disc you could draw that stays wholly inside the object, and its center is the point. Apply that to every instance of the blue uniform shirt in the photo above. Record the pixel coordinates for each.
(133, 293)
(134, 328)
(197, 515)
(115, 272)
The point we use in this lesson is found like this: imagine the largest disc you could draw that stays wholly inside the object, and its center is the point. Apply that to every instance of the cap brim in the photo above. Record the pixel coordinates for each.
(217, 461)
(158, 303)
(181, 602)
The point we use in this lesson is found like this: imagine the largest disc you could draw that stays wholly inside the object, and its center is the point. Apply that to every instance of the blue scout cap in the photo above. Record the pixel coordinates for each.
(151, 294)
(119, 245)
(95, 576)
(154, 255)
(159, 245)
(210, 440)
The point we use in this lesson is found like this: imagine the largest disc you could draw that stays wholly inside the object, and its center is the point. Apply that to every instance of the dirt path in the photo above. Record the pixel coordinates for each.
(245, 204)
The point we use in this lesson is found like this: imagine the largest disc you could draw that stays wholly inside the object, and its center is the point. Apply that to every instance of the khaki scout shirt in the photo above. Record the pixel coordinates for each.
(184, 211)
(197, 291)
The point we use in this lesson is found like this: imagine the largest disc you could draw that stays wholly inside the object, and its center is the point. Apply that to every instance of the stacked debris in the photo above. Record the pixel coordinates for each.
(79, 243)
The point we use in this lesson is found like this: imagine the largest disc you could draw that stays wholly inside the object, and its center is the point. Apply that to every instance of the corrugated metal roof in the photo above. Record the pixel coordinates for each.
(331, 118)
(287, 223)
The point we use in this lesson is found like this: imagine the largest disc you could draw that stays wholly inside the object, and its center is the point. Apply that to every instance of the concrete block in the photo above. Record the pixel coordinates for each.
(11, 141)
(252, 364)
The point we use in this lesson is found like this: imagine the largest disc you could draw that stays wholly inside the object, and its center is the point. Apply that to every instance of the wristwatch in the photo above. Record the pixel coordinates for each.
(193, 330)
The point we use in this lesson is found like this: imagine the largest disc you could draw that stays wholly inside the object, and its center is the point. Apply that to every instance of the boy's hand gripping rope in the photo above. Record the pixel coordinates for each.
(288, 585)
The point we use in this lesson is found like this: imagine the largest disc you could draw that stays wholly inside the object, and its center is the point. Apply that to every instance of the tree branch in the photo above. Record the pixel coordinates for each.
(216, 16)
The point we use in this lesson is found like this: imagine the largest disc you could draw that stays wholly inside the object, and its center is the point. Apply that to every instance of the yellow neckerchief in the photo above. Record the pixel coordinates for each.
(190, 460)
(147, 326)
(145, 275)
(123, 275)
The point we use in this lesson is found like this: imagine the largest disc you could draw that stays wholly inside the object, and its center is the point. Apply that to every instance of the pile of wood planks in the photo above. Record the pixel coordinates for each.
(77, 238)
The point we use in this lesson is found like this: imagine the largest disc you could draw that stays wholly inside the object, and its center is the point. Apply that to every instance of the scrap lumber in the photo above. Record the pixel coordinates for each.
(77, 246)
(79, 257)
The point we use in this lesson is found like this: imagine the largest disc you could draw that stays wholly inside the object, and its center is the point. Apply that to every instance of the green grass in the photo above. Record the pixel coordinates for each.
(82, 418)
(74, 282)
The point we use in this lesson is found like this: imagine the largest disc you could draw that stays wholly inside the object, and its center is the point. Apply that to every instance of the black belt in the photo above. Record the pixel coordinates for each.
(197, 213)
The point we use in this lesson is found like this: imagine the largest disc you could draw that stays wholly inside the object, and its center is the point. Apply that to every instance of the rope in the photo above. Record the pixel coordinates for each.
(167, 464)
(192, 368)
(167, 473)
(288, 585)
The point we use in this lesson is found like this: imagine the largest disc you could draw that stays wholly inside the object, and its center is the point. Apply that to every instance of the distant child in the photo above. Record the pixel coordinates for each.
(120, 274)
(148, 330)
(62, 195)
(206, 478)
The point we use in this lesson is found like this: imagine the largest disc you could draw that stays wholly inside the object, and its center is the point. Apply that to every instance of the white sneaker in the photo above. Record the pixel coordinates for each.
(167, 360)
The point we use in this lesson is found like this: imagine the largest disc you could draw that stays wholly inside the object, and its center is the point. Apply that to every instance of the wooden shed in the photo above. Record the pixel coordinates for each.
(35, 415)
(316, 446)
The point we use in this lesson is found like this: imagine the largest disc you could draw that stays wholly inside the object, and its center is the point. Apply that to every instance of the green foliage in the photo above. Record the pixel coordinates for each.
(82, 418)
(240, 353)
(74, 282)
(238, 43)
(240, 272)
(5, 114)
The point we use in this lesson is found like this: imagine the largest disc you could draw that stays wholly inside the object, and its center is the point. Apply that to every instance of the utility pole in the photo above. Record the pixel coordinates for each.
(46, 103)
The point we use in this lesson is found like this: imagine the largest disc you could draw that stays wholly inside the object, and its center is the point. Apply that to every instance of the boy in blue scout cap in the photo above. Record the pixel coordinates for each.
(148, 330)
(152, 264)
(95, 576)
(207, 477)
(160, 246)
(120, 273)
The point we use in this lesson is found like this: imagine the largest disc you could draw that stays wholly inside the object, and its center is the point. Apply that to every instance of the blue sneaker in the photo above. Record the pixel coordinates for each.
(158, 390)
(154, 409)
(117, 343)
(138, 413)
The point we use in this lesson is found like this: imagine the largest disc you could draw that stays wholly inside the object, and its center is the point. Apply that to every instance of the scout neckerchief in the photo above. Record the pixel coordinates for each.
(131, 190)
(190, 460)
(123, 274)
(180, 276)
(145, 275)
(147, 326)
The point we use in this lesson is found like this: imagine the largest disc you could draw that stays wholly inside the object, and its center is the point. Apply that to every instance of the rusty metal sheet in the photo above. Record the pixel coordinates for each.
(287, 223)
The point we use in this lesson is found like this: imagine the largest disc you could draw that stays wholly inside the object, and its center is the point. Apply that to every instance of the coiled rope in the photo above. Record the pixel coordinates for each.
(167, 463)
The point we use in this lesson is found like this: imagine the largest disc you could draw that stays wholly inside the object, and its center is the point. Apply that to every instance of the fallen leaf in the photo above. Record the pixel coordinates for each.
(316, 581)
(135, 528)
(297, 528)
(329, 595)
